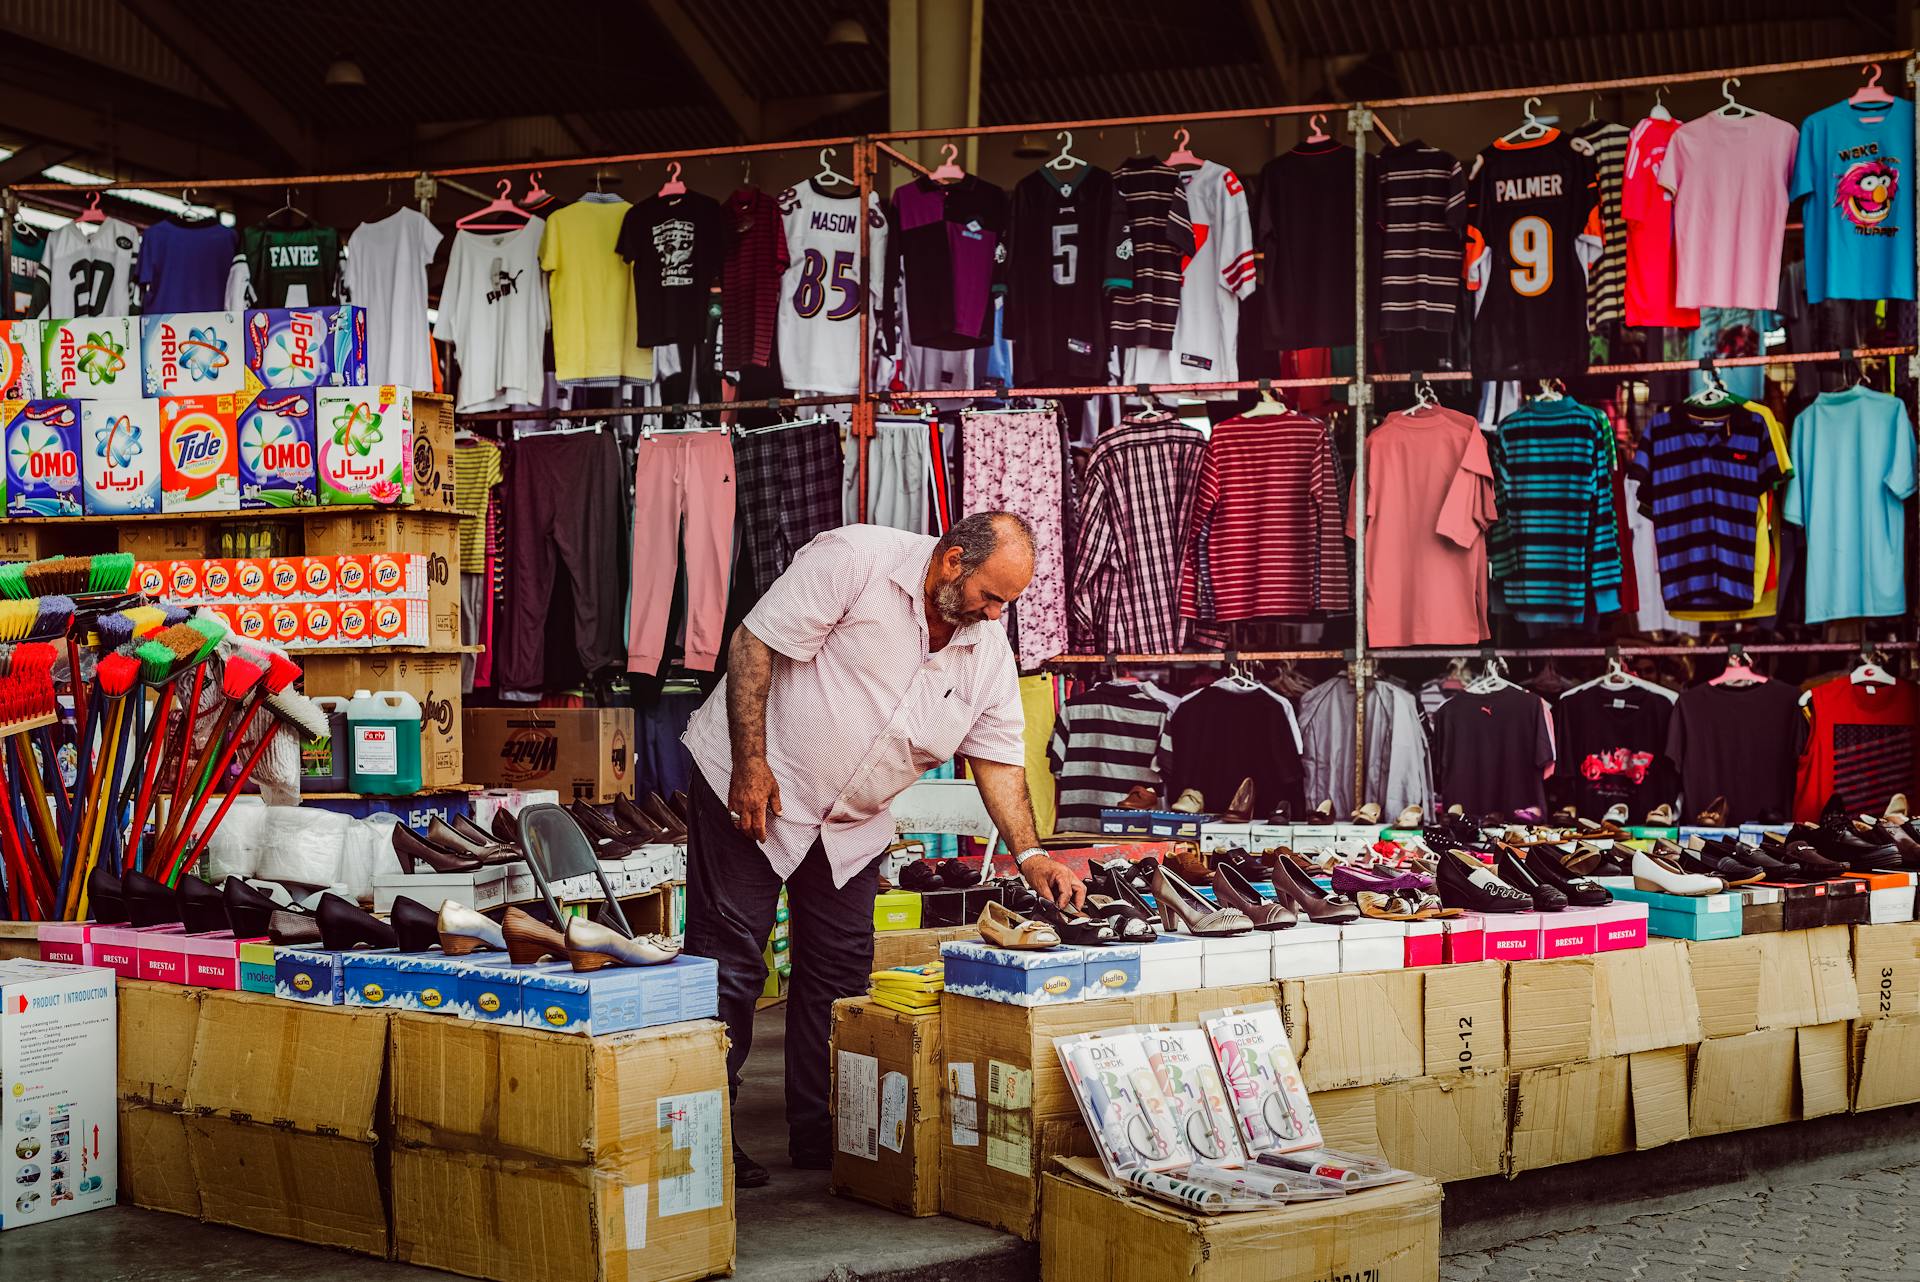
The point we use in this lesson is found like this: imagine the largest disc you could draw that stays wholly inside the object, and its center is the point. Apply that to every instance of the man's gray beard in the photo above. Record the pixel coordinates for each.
(949, 604)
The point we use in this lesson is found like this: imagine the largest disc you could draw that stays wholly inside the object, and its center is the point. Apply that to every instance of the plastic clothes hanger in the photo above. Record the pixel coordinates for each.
(1531, 128)
(92, 213)
(1180, 157)
(536, 194)
(1617, 677)
(1659, 111)
(1730, 109)
(1739, 670)
(1424, 397)
(947, 171)
(1870, 673)
(1871, 94)
(1315, 122)
(1550, 390)
(1270, 405)
(673, 186)
(828, 175)
(501, 204)
(1493, 679)
(1066, 159)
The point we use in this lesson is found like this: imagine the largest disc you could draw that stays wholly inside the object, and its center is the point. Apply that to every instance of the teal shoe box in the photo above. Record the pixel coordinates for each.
(616, 999)
(1694, 917)
(309, 975)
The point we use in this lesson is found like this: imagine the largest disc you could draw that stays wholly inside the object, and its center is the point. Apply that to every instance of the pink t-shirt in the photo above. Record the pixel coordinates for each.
(1647, 208)
(1729, 177)
(1429, 503)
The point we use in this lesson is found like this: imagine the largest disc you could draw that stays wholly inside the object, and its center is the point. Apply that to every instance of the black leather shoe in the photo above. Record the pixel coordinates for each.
(608, 841)
(1771, 869)
(1519, 874)
(416, 927)
(473, 832)
(635, 822)
(920, 875)
(202, 907)
(149, 902)
(657, 810)
(289, 929)
(747, 1173)
(1697, 857)
(345, 926)
(1839, 842)
(447, 837)
(1813, 865)
(505, 826)
(106, 903)
(249, 910)
(413, 852)
(1464, 882)
(1581, 892)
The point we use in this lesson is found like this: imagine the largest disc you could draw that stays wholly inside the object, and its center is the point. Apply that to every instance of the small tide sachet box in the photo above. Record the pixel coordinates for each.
(120, 457)
(200, 464)
(93, 356)
(191, 354)
(364, 443)
(19, 360)
(277, 453)
(43, 457)
(306, 347)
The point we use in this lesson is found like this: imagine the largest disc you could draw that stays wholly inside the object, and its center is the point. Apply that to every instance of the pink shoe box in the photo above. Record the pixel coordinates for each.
(1513, 936)
(118, 948)
(1622, 925)
(163, 955)
(1426, 943)
(70, 942)
(1466, 938)
(213, 960)
(1572, 932)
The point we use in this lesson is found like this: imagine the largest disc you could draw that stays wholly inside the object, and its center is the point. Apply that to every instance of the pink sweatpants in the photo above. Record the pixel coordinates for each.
(681, 479)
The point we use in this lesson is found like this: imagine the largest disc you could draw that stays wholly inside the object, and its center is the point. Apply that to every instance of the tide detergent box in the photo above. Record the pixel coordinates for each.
(93, 356)
(276, 433)
(305, 346)
(120, 457)
(19, 360)
(365, 443)
(191, 354)
(43, 457)
(200, 466)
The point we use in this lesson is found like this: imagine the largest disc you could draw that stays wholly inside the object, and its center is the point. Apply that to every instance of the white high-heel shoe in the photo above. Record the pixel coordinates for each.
(591, 946)
(462, 930)
(1655, 872)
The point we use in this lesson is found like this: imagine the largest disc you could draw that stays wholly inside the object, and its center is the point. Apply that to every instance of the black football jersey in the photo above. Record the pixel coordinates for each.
(1533, 230)
(1067, 247)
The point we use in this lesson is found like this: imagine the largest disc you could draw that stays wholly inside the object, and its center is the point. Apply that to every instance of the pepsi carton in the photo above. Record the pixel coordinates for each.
(120, 457)
(191, 354)
(43, 457)
(305, 347)
(276, 438)
(199, 465)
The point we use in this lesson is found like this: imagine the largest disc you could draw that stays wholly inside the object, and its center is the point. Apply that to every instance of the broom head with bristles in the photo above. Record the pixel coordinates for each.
(116, 673)
(298, 711)
(243, 671)
(110, 572)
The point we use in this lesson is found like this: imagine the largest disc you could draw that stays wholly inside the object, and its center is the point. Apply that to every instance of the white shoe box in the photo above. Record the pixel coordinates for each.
(479, 890)
(1265, 838)
(59, 1053)
(1170, 964)
(1215, 837)
(1310, 839)
(1305, 949)
(1231, 959)
(1373, 945)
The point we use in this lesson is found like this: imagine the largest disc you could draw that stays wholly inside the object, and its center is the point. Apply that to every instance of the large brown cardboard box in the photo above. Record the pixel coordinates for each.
(434, 535)
(531, 1156)
(886, 1106)
(1361, 1029)
(158, 1023)
(1466, 1017)
(1885, 1052)
(915, 947)
(1450, 1127)
(433, 446)
(1095, 1231)
(1886, 964)
(1550, 1012)
(1571, 1112)
(433, 679)
(1786, 980)
(1769, 1077)
(584, 753)
(164, 540)
(156, 1169)
(1644, 999)
(286, 1183)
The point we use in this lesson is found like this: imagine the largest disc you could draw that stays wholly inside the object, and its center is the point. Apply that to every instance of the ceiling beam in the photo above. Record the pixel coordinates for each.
(584, 134)
(33, 160)
(106, 139)
(1282, 63)
(713, 69)
(184, 33)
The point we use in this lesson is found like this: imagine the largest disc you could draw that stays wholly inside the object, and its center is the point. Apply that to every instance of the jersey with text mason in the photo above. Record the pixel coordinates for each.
(821, 295)
(1533, 231)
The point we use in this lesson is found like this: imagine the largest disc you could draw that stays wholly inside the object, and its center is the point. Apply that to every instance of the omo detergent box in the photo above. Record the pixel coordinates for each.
(365, 445)
(93, 356)
(305, 346)
(19, 360)
(120, 457)
(43, 457)
(191, 354)
(200, 464)
(277, 449)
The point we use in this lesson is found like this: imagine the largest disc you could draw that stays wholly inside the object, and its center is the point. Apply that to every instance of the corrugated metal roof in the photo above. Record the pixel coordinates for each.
(106, 32)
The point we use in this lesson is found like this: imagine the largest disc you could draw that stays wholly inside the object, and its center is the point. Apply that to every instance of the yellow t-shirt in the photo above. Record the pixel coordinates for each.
(590, 290)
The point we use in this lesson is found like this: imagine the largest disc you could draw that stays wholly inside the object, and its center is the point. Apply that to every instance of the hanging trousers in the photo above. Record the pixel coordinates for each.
(564, 511)
(682, 487)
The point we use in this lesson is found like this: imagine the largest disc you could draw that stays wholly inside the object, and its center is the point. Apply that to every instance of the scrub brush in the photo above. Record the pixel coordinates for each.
(59, 576)
(110, 572)
(13, 582)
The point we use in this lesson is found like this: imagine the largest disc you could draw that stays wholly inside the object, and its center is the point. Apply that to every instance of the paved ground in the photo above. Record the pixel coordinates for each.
(1853, 1228)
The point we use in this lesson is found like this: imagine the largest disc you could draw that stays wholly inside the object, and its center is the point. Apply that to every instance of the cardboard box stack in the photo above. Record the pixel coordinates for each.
(887, 1070)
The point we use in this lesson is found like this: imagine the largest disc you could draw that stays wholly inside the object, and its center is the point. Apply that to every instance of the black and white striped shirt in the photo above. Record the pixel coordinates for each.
(1420, 208)
(1104, 742)
(1607, 279)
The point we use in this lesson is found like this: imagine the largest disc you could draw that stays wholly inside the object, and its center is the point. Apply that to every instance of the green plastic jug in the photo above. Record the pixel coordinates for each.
(383, 730)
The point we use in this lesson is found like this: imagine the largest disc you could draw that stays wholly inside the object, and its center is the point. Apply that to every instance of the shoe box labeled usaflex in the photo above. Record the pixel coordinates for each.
(59, 1053)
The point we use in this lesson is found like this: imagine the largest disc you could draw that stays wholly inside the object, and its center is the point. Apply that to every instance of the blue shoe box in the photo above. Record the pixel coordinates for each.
(1695, 917)
(1112, 970)
(426, 982)
(1167, 825)
(1019, 977)
(309, 975)
(489, 989)
(557, 998)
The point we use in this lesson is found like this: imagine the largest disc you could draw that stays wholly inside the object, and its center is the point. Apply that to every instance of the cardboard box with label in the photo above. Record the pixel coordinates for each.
(1095, 1231)
(886, 1106)
(586, 754)
(1787, 979)
(58, 1027)
(623, 1155)
(374, 531)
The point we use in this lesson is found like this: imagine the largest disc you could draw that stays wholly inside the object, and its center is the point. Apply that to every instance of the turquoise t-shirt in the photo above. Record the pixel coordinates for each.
(1853, 460)
(1859, 213)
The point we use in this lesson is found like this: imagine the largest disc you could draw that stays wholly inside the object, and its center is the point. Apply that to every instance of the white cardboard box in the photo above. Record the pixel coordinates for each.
(1233, 959)
(1263, 838)
(1225, 837)
(1305, 949)
(59, 1054)
(1371, 944)
(479, 890)
(1170, 964)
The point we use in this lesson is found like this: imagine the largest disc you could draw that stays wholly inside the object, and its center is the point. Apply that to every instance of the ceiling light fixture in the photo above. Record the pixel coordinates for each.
(846, 31)
(345, 73)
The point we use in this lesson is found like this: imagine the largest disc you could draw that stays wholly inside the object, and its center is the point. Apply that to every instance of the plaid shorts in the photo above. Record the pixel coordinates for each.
(790, 490)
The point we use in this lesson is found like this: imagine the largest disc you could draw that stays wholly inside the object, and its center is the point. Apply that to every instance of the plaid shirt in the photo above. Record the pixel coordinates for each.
(790, 484)
(1135, 512)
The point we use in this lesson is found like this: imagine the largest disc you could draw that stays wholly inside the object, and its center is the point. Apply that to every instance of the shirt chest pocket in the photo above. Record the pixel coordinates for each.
(938, 731)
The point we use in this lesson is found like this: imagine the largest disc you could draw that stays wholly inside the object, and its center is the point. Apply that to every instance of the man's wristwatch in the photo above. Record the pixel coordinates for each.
(1031, 852)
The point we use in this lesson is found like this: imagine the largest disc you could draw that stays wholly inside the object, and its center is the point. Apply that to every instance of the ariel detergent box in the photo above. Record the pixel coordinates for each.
(19, 360)
(365, 445)
(191, 354)
(93, 356)
(43, 457)
(120, 457)
(200, 464)
(306, 346)
(277, 449)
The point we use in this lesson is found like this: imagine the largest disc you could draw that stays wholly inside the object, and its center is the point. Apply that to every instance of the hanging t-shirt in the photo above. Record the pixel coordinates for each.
(386, 274)
(1305, 232)
(1222, 735)
(1555, 549)
(1702, 473)
(1612, 745)
(1492, 751)
(493, 309)
(821, 294)
(1741, 742)
(676, 245)
(293, 266)
(1161, 234)
(90, 268)
(1067, 249)
(1533, 232)
(590, 291)
(183, 266)
(949, 241)
(1215, 280)
(28, 269)
(1606, 280)
(1859, 213)
(1853, 457)
(1729, 177)
(756, 260)
(1860, 747)
(1104, 742)
(1419, 196)
(1647, 208)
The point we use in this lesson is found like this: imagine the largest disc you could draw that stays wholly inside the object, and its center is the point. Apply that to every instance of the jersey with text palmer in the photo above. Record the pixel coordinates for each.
(1533, 231)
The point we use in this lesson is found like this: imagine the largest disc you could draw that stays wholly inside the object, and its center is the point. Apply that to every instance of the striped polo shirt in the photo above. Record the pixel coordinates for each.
(1553, 551)
(1104, 743)
(1701, 473)
(1155, 202)
(1607, 279)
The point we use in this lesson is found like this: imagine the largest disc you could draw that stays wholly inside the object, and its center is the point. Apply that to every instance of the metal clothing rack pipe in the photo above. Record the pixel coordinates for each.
(646, 411)
(1642, 651)
(1197, 657)
(1665, 367)
(1110, 389)
(1359, 121)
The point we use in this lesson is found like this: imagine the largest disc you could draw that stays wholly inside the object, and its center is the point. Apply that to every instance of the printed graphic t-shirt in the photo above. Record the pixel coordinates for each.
(293, 266)
(1860, 747)
(1611, 749)
(493, 309)
(1859, 212)
(676, 246)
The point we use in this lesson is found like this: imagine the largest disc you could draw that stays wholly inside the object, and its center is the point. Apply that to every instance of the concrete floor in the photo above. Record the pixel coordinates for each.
(792, 1230)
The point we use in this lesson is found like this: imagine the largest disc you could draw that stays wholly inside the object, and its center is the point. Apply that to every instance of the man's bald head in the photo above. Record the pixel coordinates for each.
(979, 566)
